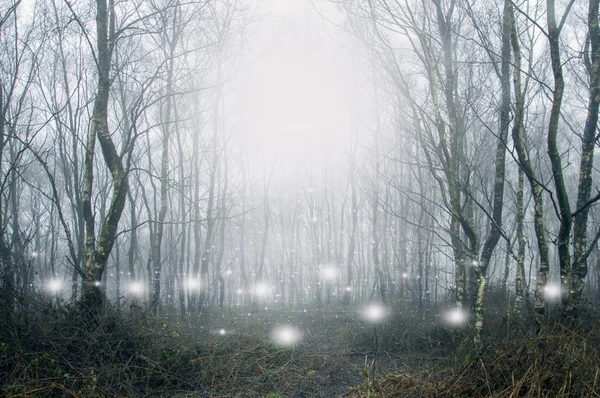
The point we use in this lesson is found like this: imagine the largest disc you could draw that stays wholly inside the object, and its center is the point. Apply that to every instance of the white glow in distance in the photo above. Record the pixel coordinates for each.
(286, 335)
(455, 317)
(136, 288)
(552, 291)
(348, 288)
(374, 313)
(192, 283)
(222, 332)
(329, 273)
(54, 285)
(405, 275)
(262, 289)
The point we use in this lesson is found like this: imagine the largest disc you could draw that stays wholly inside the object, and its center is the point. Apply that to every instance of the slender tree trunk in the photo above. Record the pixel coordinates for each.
(518, 136)
(132, 253)
(520, 283)
(183, 214)
(588, 141)
(493, 237)
(352, 238)
(166, 130)
(97, 254)
(564, 234)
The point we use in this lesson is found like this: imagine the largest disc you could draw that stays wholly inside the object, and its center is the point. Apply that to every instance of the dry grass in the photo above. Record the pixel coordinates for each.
(559, 362)
(55, 353)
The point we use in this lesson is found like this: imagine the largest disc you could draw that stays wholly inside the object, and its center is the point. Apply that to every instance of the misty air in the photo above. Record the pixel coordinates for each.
(299, 198)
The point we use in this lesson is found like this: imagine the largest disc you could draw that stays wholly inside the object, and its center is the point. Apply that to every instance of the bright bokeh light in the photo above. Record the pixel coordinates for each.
(136, 288)
(329, 273)
(54, 285)
(192, 283)
(348, 288)
(374, 313)
(405, 275)
(552, 291)
(286, 335)
(262, 289)
(222, 332)
(455, 317)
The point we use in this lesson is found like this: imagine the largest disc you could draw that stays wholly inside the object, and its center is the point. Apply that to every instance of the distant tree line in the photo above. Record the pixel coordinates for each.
(122, 178)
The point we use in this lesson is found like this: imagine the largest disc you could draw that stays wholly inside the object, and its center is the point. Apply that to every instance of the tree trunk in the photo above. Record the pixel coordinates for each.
(588, 141)
(97, 254)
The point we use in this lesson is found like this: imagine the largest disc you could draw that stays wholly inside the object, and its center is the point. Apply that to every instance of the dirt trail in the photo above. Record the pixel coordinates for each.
(328, 360)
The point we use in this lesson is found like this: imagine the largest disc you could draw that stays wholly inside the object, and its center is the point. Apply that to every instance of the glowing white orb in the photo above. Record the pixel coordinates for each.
(475, 263)
(192, 283)
(97, 283)
(54, 285)
(329, 273)
(262, 289)
(348, 288)
(405, 275)
(35, 254)
(136, 288)
(455, 317)
(286, 335)
(228, 272)
(374, 313)
(552, 291)
(222, 332)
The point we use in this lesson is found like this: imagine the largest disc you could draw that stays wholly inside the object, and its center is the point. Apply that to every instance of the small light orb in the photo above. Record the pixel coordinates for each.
(35, 254)
(192, 283)
(374, 313)
(404, 275)
(552, 291)
(455, 317)
(286, 335)
(329, 273)
(97, 283)
(222, 332)
(240, 291)
(54, 285)
(228, 272)
(348, 288)
(136, 288)
(262, 289)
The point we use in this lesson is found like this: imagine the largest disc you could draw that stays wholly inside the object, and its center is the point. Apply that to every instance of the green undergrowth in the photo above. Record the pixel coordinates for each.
(517, 358)
(559, 362)
(58, 352)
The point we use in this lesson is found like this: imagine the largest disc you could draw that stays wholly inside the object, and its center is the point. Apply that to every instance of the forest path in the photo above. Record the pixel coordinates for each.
(329, 358)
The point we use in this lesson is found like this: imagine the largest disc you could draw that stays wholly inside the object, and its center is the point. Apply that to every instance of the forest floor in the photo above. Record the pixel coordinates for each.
(231, 353)
(337, 350)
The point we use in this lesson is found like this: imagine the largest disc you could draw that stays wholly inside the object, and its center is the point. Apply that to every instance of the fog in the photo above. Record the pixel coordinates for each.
(300, 94)
(254, 198)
